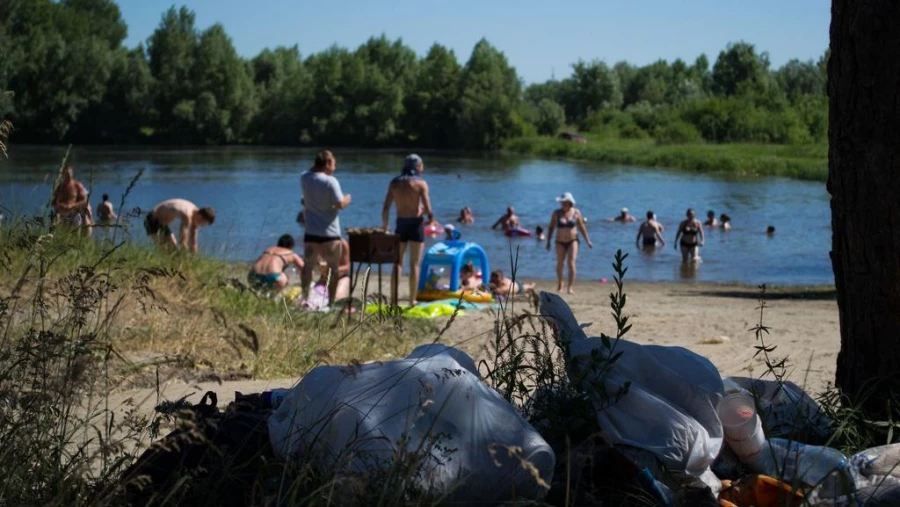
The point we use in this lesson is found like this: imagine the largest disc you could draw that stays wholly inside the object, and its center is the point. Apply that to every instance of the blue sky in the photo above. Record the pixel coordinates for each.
(540, 38)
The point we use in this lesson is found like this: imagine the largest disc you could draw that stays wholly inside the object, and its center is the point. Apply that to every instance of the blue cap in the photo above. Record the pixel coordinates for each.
(412, 161)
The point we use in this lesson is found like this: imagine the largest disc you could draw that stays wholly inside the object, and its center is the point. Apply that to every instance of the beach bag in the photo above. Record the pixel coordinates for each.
(221, 451)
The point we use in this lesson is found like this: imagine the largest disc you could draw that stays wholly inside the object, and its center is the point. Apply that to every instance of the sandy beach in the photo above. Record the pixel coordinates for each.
(712, 320)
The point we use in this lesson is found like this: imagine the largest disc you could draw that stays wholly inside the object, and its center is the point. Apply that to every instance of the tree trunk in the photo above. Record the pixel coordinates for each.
(864, 182)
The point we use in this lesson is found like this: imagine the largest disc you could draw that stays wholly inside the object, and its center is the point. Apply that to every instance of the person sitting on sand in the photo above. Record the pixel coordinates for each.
(268, 270)
(711, 219)
(725, 222)
(505, 287)
(623, 217)
(539, 233)
(508, 220)
(192, 218)
(467, 277)
(649, 233)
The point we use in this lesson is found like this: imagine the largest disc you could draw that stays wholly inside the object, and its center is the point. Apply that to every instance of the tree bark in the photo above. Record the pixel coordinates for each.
(864, 182)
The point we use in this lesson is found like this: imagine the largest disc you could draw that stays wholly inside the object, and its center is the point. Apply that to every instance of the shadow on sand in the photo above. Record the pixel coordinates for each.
(772, 294)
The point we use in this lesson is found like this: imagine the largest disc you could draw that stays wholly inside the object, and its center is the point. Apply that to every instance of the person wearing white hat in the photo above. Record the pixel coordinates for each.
(451, 233)
(567, 221)
(624, 217)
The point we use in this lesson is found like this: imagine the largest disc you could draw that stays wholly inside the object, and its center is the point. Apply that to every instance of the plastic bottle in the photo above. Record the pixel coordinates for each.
(274, 397)
(434, 277)
(811, 465)
(291, 273)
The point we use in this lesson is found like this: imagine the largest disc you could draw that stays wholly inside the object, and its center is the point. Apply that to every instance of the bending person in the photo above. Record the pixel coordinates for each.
(690, 231)
(192, 217)
(268, 270)
(410, 192)
(569, 221)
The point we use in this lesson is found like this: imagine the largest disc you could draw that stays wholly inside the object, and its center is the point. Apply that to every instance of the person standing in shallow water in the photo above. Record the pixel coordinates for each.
(322, 200)
(649, 233)
(690, 232)
(70, 202)
(568, 220)
(410, 193)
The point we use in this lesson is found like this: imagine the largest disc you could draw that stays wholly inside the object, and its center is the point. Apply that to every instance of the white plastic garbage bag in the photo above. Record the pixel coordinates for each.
(785, 408)
(669, 408)
(473, 445)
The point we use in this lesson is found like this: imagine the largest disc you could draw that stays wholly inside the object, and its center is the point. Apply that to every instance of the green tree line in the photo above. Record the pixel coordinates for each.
(73, 80)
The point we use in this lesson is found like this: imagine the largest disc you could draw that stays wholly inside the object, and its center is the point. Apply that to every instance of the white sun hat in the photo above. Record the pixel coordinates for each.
(567, 196)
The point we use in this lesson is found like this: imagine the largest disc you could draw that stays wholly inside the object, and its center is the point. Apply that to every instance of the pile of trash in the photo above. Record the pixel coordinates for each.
(465, 443)
(671, 432)
(671, 412)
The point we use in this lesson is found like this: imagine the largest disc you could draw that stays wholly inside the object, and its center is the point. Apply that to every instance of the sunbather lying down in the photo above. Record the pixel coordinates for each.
(505, 287)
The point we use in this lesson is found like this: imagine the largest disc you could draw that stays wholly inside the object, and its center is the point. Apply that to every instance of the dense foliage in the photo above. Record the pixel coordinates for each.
(73, 80)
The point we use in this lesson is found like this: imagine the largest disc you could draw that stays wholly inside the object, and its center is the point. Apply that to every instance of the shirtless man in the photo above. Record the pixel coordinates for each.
(624, 217)
(507, 221)
(192, 218)
(649, 233)
(711, 219)
(409, 191)
(106, 214)
(70, 201)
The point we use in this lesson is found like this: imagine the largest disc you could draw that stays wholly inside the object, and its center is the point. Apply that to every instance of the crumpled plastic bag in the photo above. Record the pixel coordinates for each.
(785, 409)
(670, 405)
(359, 420)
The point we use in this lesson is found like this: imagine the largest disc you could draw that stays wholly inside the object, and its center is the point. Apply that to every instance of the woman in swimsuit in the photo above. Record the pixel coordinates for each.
(465, 216)
(268, 270)
(569, 221)
(689, 231)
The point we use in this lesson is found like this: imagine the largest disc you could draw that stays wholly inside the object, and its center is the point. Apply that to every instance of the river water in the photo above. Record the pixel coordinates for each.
(256, 194)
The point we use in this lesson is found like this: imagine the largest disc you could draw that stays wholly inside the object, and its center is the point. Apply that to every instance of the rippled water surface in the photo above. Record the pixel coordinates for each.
(256, 193)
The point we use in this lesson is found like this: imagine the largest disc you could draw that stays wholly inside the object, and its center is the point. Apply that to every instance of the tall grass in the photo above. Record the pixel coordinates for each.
(79, 316)
(805, 162)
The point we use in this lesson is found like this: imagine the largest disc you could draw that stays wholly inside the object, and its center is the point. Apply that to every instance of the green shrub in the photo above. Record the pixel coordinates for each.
(547, 116)
(606, 120)
(677, 132)
(632, 131)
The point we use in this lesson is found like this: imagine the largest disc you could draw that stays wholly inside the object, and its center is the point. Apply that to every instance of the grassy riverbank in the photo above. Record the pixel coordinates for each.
(806, 162)
(175, 312)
